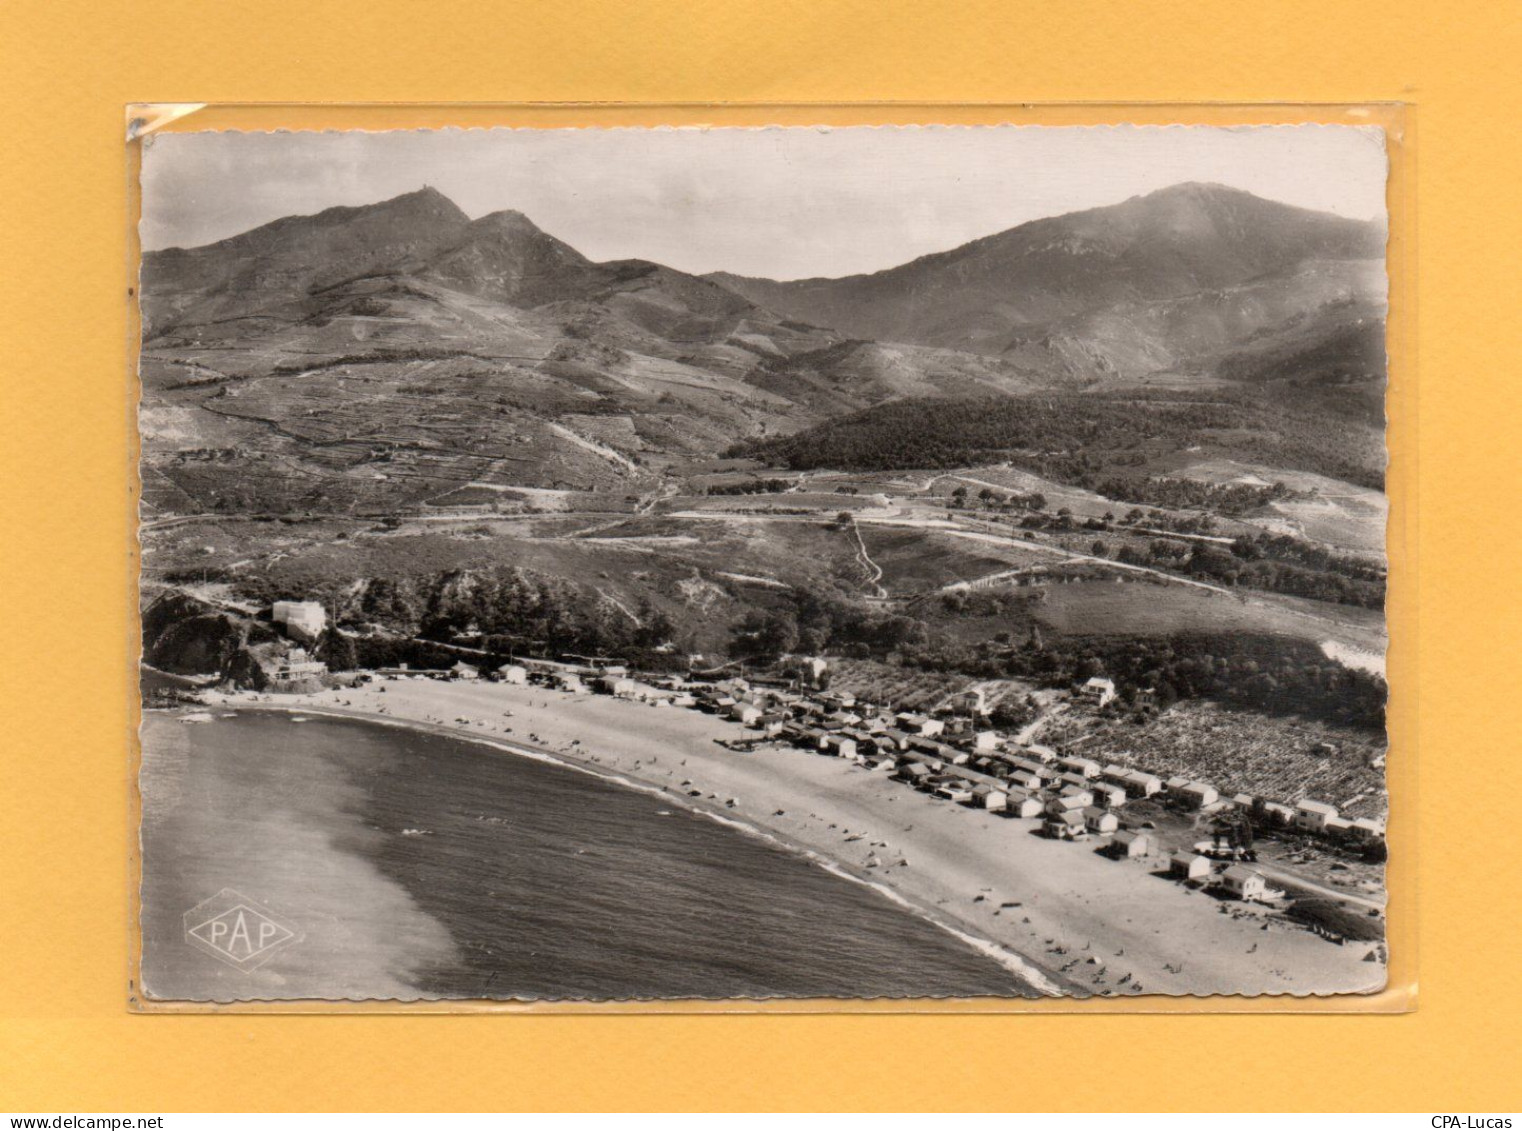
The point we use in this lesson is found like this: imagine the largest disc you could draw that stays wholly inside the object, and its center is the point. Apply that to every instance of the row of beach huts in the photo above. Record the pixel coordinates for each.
(955, 756)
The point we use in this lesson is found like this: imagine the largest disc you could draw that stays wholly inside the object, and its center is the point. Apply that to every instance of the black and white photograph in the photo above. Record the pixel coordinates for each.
(735, 564)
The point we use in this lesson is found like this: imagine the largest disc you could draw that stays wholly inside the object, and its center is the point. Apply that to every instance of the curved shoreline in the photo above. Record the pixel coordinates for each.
(1043, 981)
(1097, 926)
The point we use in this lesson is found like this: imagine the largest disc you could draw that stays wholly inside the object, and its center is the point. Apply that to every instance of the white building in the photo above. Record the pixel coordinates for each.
(1312, 816)
(1097, 690)
(304, 620)
(1244, 883)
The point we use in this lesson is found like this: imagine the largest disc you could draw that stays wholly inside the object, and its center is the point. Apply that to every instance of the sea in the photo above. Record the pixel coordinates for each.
(405, 865)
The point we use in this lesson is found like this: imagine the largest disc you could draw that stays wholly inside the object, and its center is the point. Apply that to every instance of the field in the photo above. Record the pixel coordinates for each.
(914, 561)
(1339, 514)
(1145, 607)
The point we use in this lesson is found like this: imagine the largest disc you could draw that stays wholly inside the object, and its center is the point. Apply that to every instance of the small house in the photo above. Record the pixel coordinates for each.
(1132, 844)
(1065, 826)
(973, 701)
(987, 797)
(1243, 883)
(1108, 796)
(1188, 866)
(513, 673)
(1073, 793)
(1022, 804)
(1031, 766)
(838, 745)
(1098, 691)
(956, 790)
(1197, 795)
(1083, 767)
(566, 681)
(621, 686)
(922, 725)
(462, 670)
(746, 713)
(1099, 821)
(1059, 805)
(912, 772)
(985, 741)
(1141, 784)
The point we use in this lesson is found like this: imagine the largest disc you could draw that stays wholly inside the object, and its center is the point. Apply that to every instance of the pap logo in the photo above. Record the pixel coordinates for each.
(234, 929)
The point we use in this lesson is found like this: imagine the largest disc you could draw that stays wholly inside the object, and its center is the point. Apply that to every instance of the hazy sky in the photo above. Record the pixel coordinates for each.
(783, 203)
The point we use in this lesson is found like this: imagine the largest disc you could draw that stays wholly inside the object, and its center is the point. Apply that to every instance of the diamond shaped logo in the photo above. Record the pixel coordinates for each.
(236, 930)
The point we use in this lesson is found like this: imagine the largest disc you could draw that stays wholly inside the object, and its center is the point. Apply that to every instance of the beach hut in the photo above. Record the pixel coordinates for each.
(745, 713)
(1059, 805)
(1197, 795)
(462, 670)
(621, 686)
(1109, 796)
(1082, 767)
(1065, 826)
(1131, 844)
(1023, 805)
(838, 745)
(1100, 821)
(1244, 883)
(1188, 866)
(954, 790)
(912, 772)
(513, 673)
(922, 725)
(990, 798)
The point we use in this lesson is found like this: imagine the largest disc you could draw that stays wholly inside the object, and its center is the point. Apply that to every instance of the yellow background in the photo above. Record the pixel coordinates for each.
(67, 1040)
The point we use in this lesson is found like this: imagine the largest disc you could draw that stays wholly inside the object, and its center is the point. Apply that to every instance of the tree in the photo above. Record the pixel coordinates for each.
(339, 652)
(766, 634)
(1099, 549)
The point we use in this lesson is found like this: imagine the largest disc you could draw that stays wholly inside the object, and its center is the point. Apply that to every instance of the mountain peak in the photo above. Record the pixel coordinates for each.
(426, 201)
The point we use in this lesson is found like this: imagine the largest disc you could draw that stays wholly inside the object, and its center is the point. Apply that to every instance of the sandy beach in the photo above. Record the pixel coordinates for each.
(1072, 920)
